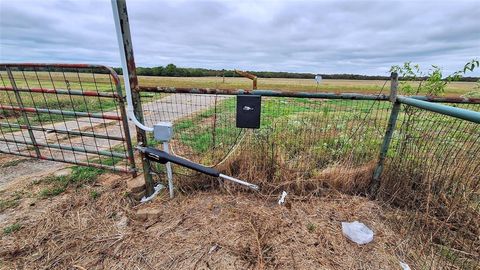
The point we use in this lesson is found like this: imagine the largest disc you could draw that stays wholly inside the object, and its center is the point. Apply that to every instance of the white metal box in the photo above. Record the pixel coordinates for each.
(163, 131)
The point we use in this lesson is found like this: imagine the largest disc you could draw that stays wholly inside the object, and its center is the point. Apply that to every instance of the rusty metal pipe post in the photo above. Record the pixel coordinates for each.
(138, 111)
(249, 76)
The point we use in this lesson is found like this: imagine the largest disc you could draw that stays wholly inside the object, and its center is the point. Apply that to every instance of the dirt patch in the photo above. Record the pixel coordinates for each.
(5, 160)
(26, 171)
(203, 230)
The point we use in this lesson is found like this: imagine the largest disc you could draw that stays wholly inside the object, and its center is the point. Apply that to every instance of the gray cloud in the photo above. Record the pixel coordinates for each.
(365, 37)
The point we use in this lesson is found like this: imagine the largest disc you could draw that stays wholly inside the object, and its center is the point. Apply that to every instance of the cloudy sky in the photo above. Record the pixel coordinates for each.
(364, 37)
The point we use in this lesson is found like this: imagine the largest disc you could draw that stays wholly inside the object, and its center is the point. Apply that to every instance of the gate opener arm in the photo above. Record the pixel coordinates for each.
(163, 157)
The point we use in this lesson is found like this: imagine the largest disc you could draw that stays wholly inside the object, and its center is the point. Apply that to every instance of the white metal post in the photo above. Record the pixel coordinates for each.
(169, 170)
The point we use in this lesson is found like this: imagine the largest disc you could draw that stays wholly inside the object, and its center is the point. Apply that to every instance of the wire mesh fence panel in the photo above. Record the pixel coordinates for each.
(300, 142)
(66, 113)
(432, 177)
(308, 145)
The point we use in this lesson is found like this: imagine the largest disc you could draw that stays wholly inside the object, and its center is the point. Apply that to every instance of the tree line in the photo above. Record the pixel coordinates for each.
(172, 70)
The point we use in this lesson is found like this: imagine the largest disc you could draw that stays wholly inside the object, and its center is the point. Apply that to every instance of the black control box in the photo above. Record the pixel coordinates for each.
(249, 111)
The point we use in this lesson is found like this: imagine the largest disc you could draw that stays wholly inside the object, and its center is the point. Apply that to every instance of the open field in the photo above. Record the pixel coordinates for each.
(358, 86)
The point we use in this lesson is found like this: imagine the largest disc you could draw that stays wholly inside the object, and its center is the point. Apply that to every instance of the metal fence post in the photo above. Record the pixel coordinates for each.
(393, 87)
(23, 112)
(141, 135)
(388, 135)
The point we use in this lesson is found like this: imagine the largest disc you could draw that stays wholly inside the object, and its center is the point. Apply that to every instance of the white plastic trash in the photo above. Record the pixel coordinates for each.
(282, 198)
(404, 266)
(357, 232)
(156, 189)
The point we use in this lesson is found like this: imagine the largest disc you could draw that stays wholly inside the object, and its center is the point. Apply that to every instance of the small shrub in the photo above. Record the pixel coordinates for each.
(78, 177)
(94, 194)
(311, 227)
(81, 175)
(11, 202)
(12, 228)
(51, 192)
(6, 204)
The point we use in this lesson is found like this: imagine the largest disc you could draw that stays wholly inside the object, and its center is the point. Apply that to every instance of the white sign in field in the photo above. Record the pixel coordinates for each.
(318, 78)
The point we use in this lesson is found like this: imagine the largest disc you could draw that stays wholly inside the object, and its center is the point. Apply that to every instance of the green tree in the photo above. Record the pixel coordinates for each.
(157, 71)
(431, 82)
(170, 70)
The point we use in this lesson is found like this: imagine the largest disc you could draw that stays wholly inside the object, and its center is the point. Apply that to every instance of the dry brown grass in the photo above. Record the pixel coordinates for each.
(274, 169)
(434, 176)
(218, 228)
(198, 231)
(436, 205)
(276, 177)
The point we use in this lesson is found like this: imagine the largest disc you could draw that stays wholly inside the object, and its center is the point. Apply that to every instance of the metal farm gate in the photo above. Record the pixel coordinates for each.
(70, 113)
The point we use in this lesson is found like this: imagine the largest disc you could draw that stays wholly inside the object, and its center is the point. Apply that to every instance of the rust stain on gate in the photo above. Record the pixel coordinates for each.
(72, 113)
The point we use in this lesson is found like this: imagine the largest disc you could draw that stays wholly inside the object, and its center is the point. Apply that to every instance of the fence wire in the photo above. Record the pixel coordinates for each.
(300, 140)
(66, 113)
(432, 177)
(309, 145)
